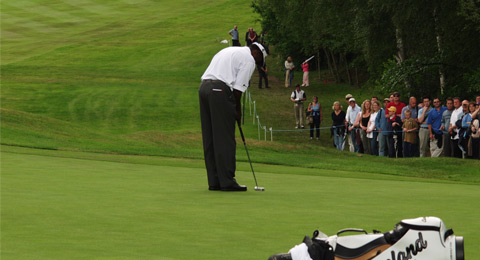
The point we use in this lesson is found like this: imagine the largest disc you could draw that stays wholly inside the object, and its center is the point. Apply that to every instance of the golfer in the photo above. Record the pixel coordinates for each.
(223, 83)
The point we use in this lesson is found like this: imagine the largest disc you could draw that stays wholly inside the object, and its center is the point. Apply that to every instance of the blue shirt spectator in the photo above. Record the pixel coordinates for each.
(381, 121)
(435, 118)
(424, 124)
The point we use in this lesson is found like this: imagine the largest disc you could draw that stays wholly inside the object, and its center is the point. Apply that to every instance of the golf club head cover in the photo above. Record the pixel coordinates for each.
(318, 249)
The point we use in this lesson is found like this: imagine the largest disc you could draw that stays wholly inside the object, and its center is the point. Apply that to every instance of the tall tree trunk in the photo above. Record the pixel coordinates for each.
(439, 46)
(318, 63)
(400, 49)
(347, 68)
(401, 53)
(337, 75)
(328, 61)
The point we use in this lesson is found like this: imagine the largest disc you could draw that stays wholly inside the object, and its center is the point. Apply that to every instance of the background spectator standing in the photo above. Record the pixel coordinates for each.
(250, 36)
(410, 126)
(412, 107)
(364, 118)
(381, 125)
(372, 134)
(297, 97)
(350, 144)
(351, 117)
(424, 134)
(474, 147)
(338, 126)
(262, 75)
(447, 138)
(459, 124)
(453, 129)
(399, 107)
(464, 132)
(289, 66)
(396, 103)
(306, 82)
(394, 128)
(235, 37)
(434, 122)
(316, 109)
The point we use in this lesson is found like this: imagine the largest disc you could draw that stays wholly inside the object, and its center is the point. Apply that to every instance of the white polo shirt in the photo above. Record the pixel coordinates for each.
(232, 65)
(456, 115)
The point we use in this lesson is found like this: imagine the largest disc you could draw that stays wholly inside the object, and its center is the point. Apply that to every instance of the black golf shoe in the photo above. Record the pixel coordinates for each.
(235, 187)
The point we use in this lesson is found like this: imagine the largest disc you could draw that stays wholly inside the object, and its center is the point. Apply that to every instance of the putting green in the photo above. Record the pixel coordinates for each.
(56, 207)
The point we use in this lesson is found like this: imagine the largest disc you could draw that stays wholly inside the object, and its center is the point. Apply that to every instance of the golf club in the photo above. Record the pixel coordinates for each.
(245, 144)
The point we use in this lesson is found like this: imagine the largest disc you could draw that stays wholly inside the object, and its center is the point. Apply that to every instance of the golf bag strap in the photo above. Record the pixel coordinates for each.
(351, 230)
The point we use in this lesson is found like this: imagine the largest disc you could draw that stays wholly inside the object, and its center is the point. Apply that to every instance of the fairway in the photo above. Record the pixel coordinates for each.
(55, 207)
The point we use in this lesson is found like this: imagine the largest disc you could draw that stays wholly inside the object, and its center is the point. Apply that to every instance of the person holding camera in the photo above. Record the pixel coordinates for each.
(297, 97)
(315, 110)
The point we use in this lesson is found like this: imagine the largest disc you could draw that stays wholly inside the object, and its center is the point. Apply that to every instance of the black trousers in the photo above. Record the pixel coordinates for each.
(217, 113)
(456, 150)
(262, 76)
(235, 43)
(316, 124)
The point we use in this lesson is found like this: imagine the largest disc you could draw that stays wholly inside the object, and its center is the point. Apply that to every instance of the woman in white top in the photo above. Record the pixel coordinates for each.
(371, 129)
(362, 120)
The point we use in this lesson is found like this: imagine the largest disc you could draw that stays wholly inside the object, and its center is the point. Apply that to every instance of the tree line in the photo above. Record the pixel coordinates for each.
(416, 47)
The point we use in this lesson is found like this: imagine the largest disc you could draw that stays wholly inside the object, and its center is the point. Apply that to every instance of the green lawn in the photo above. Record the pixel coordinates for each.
(59, 207)
(101, 144)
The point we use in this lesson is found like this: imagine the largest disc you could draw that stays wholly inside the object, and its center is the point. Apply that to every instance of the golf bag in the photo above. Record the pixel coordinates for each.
(423, 238)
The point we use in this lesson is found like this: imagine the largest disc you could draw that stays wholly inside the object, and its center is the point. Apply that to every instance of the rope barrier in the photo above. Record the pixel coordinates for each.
(271, 130)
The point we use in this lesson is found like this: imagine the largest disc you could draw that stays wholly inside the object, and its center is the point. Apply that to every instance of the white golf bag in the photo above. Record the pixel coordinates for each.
(424, 238)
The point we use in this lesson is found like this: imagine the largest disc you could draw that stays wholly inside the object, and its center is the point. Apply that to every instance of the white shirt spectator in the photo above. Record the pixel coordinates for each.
(298, 95)
(456, 115)
(352, 114)
(232, 65)
(371, 127)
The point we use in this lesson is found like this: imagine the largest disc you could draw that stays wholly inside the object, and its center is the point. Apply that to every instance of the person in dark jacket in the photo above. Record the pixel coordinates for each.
(394, 129)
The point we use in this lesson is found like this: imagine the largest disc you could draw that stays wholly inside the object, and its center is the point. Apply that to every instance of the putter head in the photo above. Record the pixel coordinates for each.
(259, 188)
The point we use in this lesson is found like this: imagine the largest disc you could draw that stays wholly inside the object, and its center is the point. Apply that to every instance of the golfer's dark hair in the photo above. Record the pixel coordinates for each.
(449, 99)
(427, 97)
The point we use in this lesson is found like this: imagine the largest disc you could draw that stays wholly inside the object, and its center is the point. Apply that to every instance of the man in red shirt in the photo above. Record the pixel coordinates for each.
(397, 104)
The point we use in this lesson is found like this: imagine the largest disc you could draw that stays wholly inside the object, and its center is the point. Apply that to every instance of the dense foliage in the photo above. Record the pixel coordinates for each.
(416, 47)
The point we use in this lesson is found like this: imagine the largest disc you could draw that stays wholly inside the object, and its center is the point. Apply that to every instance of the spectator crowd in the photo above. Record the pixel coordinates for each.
(396, 129)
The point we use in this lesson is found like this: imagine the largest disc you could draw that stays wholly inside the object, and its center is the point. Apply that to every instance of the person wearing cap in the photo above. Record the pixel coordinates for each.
(350, 120)
(394, 129)
(396, 103)
(297, 97)
(223, 83)
(348, 97)
(289, 66)
(350, 144)
(424, 134)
